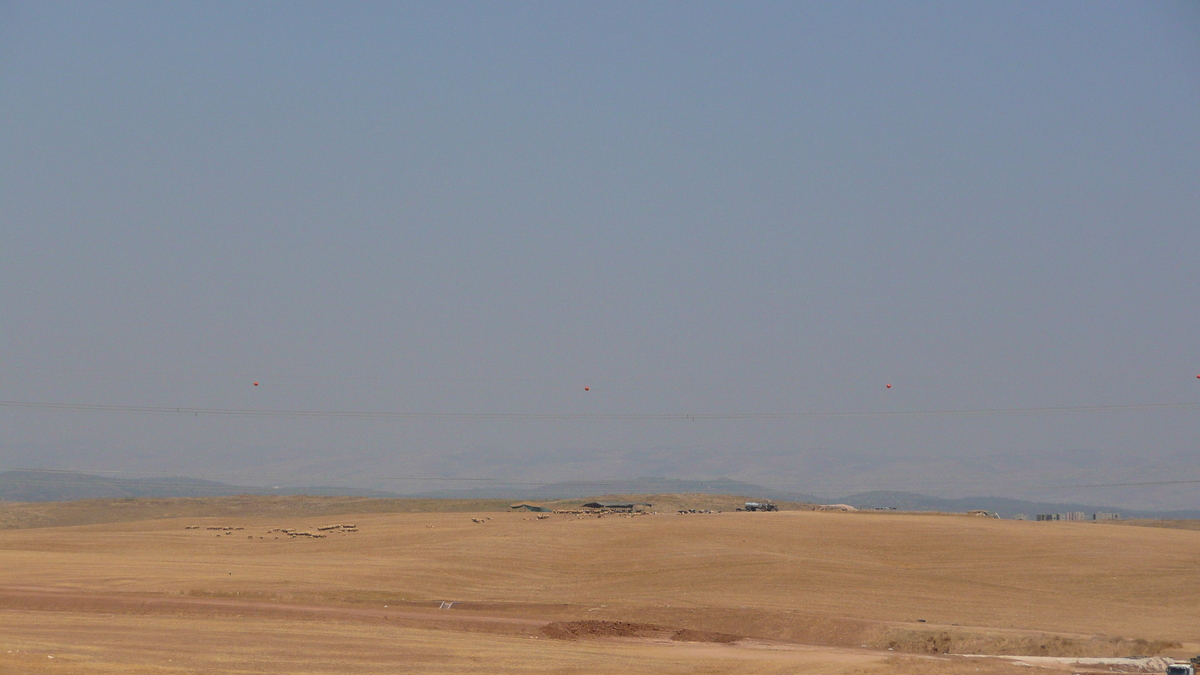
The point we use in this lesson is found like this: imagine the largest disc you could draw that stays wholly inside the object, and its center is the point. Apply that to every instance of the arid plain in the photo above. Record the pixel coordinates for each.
(146, 587)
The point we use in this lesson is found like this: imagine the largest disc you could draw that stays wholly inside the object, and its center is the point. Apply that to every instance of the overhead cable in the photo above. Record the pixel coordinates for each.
(550, 416)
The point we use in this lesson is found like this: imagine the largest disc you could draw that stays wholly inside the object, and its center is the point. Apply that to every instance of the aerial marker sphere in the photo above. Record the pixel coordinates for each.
(256, 384)
(888, 386)
(587, 388)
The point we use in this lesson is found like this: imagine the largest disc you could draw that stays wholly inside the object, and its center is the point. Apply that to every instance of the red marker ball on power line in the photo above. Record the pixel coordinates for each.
(888, 386)
(256, 384)
(587, 388)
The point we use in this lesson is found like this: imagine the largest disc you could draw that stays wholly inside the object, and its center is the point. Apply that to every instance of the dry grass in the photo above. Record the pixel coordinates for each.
(1169, 524)
(841, 580)
(900, 665)
(959, 642)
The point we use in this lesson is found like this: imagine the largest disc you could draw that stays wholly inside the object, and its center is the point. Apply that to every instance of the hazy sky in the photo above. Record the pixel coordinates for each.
(687, 207)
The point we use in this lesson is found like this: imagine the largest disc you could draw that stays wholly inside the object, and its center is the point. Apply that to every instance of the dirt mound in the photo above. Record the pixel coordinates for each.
(574, 630)
(689, 635)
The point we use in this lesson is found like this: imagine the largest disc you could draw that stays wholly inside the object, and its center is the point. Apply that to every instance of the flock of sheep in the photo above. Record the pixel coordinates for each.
(321, 533)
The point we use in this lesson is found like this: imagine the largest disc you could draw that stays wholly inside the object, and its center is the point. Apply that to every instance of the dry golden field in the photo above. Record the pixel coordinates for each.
(787, 592)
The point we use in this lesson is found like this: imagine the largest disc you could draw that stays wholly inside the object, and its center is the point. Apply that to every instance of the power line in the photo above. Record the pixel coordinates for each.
(164, 477)
(668, 482)
(646, 417)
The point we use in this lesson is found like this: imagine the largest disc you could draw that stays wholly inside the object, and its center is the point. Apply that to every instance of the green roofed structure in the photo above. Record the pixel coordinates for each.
(617, 506)
(530, 507)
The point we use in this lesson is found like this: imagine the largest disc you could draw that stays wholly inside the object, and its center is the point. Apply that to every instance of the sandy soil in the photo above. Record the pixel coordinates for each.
(774, 592)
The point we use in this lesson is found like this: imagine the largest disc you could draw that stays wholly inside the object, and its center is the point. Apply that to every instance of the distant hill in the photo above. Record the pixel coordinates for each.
(59, 486)
(53, 486)
(1007, 508)
(903, 501)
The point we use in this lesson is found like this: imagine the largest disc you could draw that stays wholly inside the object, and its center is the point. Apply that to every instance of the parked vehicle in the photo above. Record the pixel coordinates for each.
(1188, 668)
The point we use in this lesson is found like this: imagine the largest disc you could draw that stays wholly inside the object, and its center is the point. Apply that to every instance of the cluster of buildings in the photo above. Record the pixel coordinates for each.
(1075, 515)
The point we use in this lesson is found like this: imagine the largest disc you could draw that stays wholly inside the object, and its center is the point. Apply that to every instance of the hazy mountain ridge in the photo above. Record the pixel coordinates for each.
(1047, 478)
(51, 486)
(46, 486)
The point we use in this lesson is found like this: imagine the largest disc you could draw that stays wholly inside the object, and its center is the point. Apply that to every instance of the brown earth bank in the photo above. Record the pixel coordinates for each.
(574, 630)
(593, 628)
(785, 592)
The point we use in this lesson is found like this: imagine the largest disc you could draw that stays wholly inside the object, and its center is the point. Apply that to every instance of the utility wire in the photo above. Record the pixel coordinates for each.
(665, 417)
